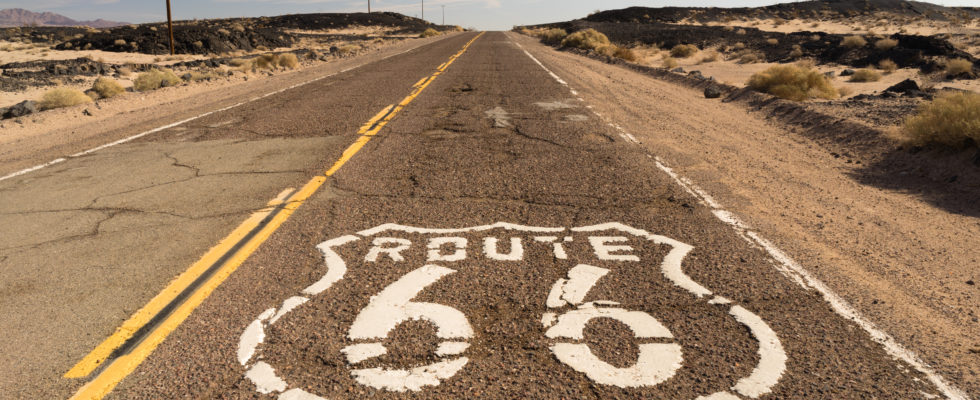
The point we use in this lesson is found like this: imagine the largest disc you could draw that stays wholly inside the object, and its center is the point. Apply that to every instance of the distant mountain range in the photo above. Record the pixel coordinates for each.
(21, 17)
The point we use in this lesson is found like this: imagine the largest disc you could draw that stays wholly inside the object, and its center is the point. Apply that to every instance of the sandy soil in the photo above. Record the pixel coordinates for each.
(907, 263)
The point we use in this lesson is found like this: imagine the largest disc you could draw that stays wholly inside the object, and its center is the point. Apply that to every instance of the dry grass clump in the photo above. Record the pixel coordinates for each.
(669, 62)
(107, 88)
(741, 32)
(793, 82)
(552, 36)
(588, 39)
(797, 51)
(772, 41)
(888, 66)
(959, 66)
(348, 49)
(711, 56)
(238, 62)
(288, 60)
(683, 50)
(886, 44)
(265, 61)
(949, 120)
(749, 57)
(865, 75)
(63, 97)
(739, 46)
(429, 33)
(119, 42)
(618, 52)
(853, 42)
(155, 79)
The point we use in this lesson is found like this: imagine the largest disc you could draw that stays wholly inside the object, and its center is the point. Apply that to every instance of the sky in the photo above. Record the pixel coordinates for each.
(479, 14)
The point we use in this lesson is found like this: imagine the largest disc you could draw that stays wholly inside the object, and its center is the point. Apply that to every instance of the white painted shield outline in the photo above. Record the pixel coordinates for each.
(772, 358)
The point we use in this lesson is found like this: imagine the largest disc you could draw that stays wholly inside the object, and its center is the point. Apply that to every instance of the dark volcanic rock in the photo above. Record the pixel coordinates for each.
(712, 92)
(905, 86)
(847, 72)
(21, 109)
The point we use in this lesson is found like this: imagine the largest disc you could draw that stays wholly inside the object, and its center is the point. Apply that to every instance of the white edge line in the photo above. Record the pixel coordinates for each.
(800, 275)
(181, 122)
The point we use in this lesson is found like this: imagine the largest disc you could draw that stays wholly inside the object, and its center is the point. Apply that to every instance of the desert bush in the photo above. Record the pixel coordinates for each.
(683, 50)
(888, 66)
(793, 82)
(959, 66)
(266, 61)
(853, 42)
(62, 97)
(429, 33)
(741, 32)
(772, 41)
(618, 52)
(886, 44)
(814, 37)
(729, 28)
(711, 56)
(155, 79)
(797, 51)
(949, 120)
(238, 62)
(197, 76)
(749, 57)
(865, 75)
(669, 62)
(119, 42)
(288, 60)
(588, 39)
(348, 49)
(224, 32)
(553, 36)
(739, 46)
(107, 88)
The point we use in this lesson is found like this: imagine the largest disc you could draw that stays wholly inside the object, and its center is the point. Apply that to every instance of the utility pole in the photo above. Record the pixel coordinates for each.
(170, 27)
(423, 10)
(444, 14)
(369, 6)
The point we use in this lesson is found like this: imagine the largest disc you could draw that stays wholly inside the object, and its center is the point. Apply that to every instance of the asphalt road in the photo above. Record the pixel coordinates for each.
(486, 236)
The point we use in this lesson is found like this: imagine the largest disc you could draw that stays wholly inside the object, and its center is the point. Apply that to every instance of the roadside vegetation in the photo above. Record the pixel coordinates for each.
(62, 97)
(951, 120)
(155, 79)
(105, 88)
(793, 82)
(865, 75)
(587, 39)
(429, 33)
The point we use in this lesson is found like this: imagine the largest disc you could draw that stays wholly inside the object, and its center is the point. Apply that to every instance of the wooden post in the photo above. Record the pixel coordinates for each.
(170, 27)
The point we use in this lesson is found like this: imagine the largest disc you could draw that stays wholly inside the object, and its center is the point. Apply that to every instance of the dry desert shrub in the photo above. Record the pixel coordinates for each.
(711, 56)
(739, 46)
(865, 75)
(853, 42)
(348, 49)
(552, 36)
(886, 44)
(772, 41)
(797, 51)
(741, 32)
(888, 66)
(949, 120)
(618, 52)
(288, 60)
(119, 42)
(63, 97)
(588, 39)
(429, 33)
(729, 28)
(238, 62)
(107, 88)
(793, 82)
(669, 62)
(155, 79)
(683, 50)
(266, 61)
(749, 57)
(959, 66)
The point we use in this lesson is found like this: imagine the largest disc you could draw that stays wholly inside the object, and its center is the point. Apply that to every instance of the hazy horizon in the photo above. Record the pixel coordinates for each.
(480, 14)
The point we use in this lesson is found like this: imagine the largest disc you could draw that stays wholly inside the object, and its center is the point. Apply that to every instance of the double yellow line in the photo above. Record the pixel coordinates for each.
(138, 336)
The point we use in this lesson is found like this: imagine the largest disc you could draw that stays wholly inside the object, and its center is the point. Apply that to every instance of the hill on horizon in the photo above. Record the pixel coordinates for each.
(15, 17)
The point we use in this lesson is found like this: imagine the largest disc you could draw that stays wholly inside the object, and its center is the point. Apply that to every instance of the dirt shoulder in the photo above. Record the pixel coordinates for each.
(42, 137)
(905, 261)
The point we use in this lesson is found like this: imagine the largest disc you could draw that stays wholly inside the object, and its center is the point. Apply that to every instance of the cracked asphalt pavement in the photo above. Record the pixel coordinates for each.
(607, 279)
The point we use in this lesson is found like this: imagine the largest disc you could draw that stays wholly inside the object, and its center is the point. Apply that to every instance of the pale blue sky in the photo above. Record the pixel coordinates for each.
(481, 14)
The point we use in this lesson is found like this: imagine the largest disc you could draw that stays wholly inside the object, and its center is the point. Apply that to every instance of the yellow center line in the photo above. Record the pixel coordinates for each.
(285, 204)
